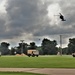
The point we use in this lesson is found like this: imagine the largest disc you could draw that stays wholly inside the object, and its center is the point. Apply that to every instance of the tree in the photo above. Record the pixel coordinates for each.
(32, 45)
(65, 50)
(4, 48)
(71, 46)
(19, 48)
(49, 47)
(12, 51)
(40, 50)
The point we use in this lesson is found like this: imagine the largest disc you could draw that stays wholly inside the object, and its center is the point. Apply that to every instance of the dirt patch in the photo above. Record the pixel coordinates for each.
(47, 71)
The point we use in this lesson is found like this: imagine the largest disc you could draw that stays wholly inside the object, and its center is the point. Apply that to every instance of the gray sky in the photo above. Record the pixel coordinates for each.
(32, 20)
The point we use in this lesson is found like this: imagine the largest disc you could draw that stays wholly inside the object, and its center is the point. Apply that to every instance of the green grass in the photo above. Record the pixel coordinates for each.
(37, 62)
(18, 73)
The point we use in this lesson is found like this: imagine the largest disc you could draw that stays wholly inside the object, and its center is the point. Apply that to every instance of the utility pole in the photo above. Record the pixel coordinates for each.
(22, 46)
(61, 45)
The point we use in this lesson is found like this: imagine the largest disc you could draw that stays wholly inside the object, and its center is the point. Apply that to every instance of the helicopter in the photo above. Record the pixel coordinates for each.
(62, 17)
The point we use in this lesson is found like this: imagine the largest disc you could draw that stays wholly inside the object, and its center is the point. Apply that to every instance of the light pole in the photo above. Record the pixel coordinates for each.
(22, 46)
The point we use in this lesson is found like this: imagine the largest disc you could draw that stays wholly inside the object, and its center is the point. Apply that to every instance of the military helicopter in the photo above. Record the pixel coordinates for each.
(62, 17)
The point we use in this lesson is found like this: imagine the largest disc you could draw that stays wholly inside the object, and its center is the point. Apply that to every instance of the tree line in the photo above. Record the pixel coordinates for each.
(48, 47)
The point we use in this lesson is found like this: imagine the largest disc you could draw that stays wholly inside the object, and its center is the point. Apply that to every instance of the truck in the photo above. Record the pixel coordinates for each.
(33, 53)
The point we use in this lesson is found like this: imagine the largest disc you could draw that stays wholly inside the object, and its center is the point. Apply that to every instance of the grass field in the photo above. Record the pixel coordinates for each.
(18, 73)
(37, 62)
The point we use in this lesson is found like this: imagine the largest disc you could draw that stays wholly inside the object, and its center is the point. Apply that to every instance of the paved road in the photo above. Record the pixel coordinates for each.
(48, 71)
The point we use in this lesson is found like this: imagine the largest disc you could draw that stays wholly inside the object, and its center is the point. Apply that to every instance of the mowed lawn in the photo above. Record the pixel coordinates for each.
(37, 62)
(18, 73)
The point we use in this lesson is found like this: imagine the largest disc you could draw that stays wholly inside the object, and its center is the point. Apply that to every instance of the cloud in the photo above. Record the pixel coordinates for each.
(24, 16)
(32, 19)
